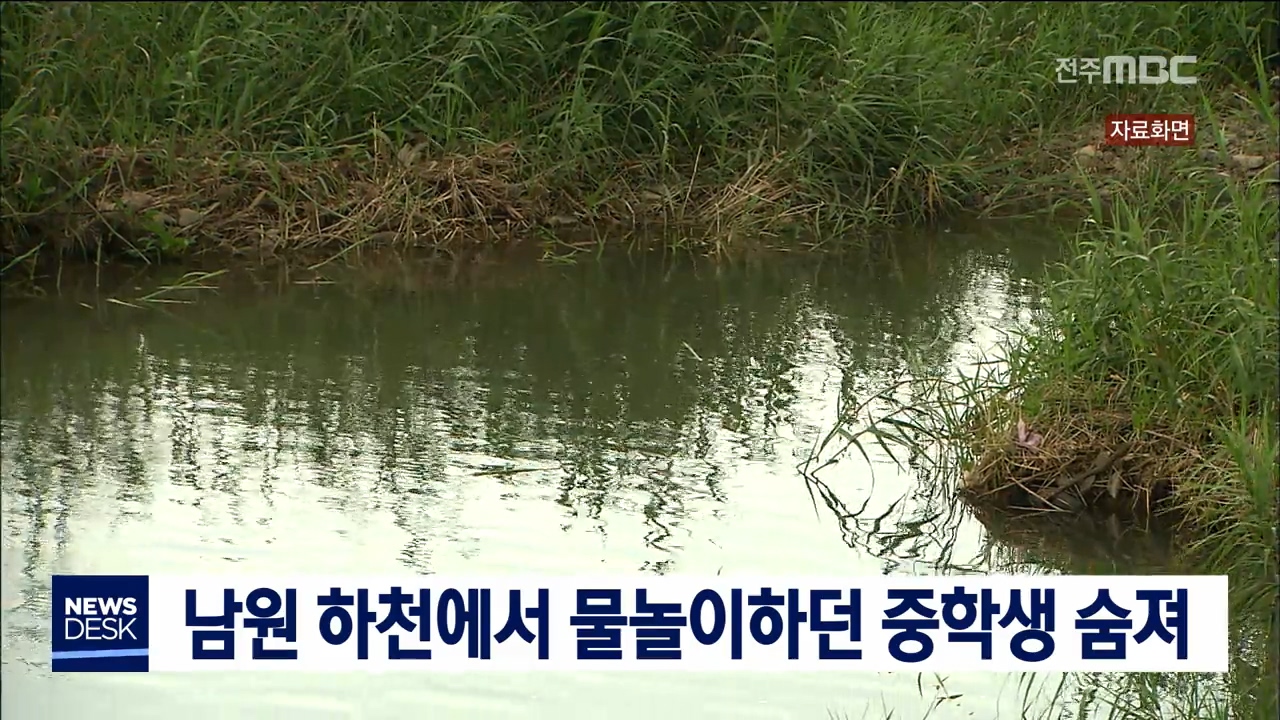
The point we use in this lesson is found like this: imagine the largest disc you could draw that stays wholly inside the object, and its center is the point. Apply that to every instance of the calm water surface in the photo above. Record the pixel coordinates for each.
(639, 416)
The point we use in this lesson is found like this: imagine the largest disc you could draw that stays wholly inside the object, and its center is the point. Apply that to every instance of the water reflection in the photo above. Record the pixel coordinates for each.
(640, 415)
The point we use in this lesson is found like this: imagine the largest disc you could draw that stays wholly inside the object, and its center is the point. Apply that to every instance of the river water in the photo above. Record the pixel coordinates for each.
(638, 415)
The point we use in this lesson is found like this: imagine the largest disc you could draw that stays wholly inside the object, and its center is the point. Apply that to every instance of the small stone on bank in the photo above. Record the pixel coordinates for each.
(1249, 162)
(136, 201)
(188, 217)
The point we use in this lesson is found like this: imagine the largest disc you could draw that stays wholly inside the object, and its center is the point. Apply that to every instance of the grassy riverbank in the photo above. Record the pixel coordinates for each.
(1164, 333)
(314, 128)
(1157, 346)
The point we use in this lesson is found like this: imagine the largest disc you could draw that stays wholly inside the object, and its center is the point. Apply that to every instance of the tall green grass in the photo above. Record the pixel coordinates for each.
(1168, 312)
(823, 114)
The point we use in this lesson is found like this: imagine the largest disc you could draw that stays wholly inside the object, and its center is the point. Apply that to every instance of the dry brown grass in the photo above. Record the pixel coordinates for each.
(121, 202)
(1090, 456)
(258, 205)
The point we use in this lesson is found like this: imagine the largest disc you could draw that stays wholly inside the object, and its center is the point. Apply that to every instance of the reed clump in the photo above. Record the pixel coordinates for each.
(1149, 381)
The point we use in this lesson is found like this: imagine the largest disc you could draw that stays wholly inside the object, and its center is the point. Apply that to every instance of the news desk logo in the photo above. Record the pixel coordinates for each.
(1127, 70)
(100, 623)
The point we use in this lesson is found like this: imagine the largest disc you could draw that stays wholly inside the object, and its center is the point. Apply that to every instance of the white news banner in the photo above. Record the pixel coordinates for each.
(439, 623)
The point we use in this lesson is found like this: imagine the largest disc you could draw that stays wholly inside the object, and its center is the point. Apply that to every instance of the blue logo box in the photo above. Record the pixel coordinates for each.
(100, 623)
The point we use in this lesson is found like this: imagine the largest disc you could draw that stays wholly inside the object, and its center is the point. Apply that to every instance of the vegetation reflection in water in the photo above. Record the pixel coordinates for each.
(639, 415)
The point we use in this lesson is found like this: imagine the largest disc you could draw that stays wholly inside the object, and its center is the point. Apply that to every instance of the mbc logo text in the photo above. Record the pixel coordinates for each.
(1128, 69)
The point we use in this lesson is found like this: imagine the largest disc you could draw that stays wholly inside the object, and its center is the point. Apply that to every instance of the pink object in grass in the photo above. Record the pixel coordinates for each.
(1026, 438)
